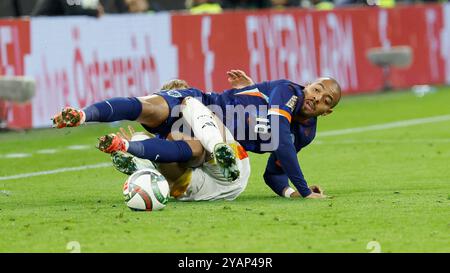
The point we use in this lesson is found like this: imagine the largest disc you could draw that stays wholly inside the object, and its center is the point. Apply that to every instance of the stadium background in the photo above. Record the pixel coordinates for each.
(79, 60)
(392, 178)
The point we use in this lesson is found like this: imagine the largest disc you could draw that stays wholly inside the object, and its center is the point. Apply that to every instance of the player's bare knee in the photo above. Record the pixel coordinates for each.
(196, 147)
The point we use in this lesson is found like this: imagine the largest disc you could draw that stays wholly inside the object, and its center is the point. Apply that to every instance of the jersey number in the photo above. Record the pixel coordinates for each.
(262, 126)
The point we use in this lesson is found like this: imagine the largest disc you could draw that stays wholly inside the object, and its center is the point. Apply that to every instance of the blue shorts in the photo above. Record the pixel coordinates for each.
(174, 98)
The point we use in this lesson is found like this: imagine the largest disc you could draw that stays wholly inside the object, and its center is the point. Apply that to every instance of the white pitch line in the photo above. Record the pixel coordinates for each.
(62, 170)
(385, 141)
(78, 147)
(46, 151)
(376, 127)
(16, 155)
(383, 126)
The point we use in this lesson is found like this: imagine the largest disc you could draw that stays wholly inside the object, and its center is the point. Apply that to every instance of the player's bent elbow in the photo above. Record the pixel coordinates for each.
(271, 184)
(266, 177)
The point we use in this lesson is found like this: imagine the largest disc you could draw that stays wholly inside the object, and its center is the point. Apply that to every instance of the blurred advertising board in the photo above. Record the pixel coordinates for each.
(77, 61)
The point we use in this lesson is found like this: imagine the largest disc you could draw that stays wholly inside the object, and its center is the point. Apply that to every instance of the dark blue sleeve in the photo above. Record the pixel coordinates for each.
(282, 100)
(275, 177)
(262, 86)
(287, 155)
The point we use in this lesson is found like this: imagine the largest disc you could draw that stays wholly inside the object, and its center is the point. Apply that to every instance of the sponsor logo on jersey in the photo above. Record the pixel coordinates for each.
(292, 103)
(174, 93)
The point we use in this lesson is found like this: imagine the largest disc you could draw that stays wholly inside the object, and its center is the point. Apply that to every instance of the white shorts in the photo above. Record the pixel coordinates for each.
(205, 187)
(207, 182)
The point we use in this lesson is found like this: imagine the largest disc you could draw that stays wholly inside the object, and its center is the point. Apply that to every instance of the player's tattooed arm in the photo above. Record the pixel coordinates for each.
(238, 79)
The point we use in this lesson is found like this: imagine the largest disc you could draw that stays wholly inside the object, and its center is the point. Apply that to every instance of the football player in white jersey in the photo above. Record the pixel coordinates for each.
(200, 178)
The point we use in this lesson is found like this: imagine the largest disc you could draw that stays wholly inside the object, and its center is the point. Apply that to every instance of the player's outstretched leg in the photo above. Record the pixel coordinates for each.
(154, 149)
(128, 164)
(208, 131)
(114, 109)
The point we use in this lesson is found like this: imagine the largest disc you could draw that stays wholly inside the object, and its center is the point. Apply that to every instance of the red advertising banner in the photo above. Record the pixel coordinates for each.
(14, 46)
(92, 59)
(78, 60)
(301, 45)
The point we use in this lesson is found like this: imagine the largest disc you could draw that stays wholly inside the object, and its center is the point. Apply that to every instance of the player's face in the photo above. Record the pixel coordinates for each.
(320, 97)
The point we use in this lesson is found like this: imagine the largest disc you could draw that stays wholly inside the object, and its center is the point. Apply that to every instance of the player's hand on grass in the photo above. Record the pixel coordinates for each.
(238, 79)
(316, 189)
(316, 192)
(314, 195)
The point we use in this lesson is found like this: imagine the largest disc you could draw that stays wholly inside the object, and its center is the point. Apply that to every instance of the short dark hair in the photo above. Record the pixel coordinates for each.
(337, 87)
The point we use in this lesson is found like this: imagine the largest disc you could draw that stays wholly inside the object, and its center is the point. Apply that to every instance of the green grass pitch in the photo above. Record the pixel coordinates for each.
(389, 185)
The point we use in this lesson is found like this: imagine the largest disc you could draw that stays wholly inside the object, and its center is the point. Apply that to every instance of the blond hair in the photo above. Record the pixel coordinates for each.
(175, 84)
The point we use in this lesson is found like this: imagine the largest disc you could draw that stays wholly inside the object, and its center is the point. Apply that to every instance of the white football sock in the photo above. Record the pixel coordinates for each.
(83, 117)
(203, 123)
